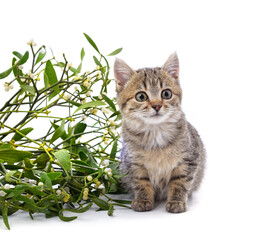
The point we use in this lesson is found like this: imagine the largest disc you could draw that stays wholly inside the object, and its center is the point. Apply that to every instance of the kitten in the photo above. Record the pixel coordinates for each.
(162, 152)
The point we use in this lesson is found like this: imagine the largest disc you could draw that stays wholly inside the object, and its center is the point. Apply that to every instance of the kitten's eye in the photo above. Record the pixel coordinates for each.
(166, 94)
(141, 96)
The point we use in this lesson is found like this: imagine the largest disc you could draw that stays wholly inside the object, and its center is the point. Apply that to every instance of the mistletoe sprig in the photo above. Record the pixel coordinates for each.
(58, 136)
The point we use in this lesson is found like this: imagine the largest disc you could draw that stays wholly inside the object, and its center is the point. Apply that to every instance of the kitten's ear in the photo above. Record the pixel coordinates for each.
(122, 73)
(172, 65)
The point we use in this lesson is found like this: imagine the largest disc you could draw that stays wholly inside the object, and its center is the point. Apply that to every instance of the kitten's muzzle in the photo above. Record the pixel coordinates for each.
(156, 107)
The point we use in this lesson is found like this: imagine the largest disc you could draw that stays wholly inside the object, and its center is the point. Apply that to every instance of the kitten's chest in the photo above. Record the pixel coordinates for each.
(159, 165)
(156, 137)
(153, 136)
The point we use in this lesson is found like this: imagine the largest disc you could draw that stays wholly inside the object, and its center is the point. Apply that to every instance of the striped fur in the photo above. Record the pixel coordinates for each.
(162, 152)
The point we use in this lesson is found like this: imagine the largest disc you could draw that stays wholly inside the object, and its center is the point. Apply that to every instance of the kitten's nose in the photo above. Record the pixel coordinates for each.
(156, 107)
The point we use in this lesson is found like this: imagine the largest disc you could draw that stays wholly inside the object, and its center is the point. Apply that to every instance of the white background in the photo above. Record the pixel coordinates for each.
(227, 52)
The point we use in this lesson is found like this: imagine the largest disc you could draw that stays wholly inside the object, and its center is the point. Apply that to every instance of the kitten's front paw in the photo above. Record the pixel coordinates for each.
(176, 206)
(140, 205)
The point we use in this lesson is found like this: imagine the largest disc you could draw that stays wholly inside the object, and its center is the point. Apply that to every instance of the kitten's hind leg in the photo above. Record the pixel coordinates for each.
(143, 190)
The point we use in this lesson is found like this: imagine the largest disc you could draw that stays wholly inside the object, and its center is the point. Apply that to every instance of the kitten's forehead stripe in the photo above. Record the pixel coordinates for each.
(145, 84)
(161, 82)
(151, 75)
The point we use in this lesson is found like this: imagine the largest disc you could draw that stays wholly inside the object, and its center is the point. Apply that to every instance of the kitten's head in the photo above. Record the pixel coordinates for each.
(152, 95)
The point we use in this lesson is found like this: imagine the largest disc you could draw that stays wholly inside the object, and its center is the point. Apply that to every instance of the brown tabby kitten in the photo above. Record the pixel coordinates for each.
(162, 153)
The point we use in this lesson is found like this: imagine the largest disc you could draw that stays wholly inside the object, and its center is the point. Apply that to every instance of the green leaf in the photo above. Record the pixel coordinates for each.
(12, 167)
(49, 214)
(64, 158)
(79, 67)
(119, 117)
(60, 64)
(36, 191)
(46, 180)
(24, 131)
(114, 166)
(82, 54)
(114, 149)
(14, 193)
(29, 202)
(28, 88)
(97, 61)
(117, 51)
(4, 213)
(12, 210)
(9, 175)
(19, 189)
(40, 56)
(22, 187)
(42, 160)
(28, 173)
(109, 102)
(122, 205)
(122, 201)
(46, 80)
(64, 135)
(80, 128)
(54, 175)
(74, 183)
(110, 210)
(6, 73)
(117, 177)
(90, 105)
(23, 59)
(17, 54)
(58, 132)
(115, 114)
(91, 42)
(51, 78)
(66, 219)
(28, 164)
(13, 156)
(6, 146)
(83, 167)
(16, 71)
(74, 70)
(111, 179)
(100, 203)
(83, 156)
(80, 210)
(74, 103)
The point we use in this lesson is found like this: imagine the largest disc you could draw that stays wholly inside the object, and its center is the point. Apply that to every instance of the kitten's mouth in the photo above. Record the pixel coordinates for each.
(156, 115)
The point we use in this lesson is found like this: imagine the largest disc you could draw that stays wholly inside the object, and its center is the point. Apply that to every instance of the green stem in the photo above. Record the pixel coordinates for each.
(33, 63)
(3, 168)
(31, 140)
(8, 102)
(73, 136)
